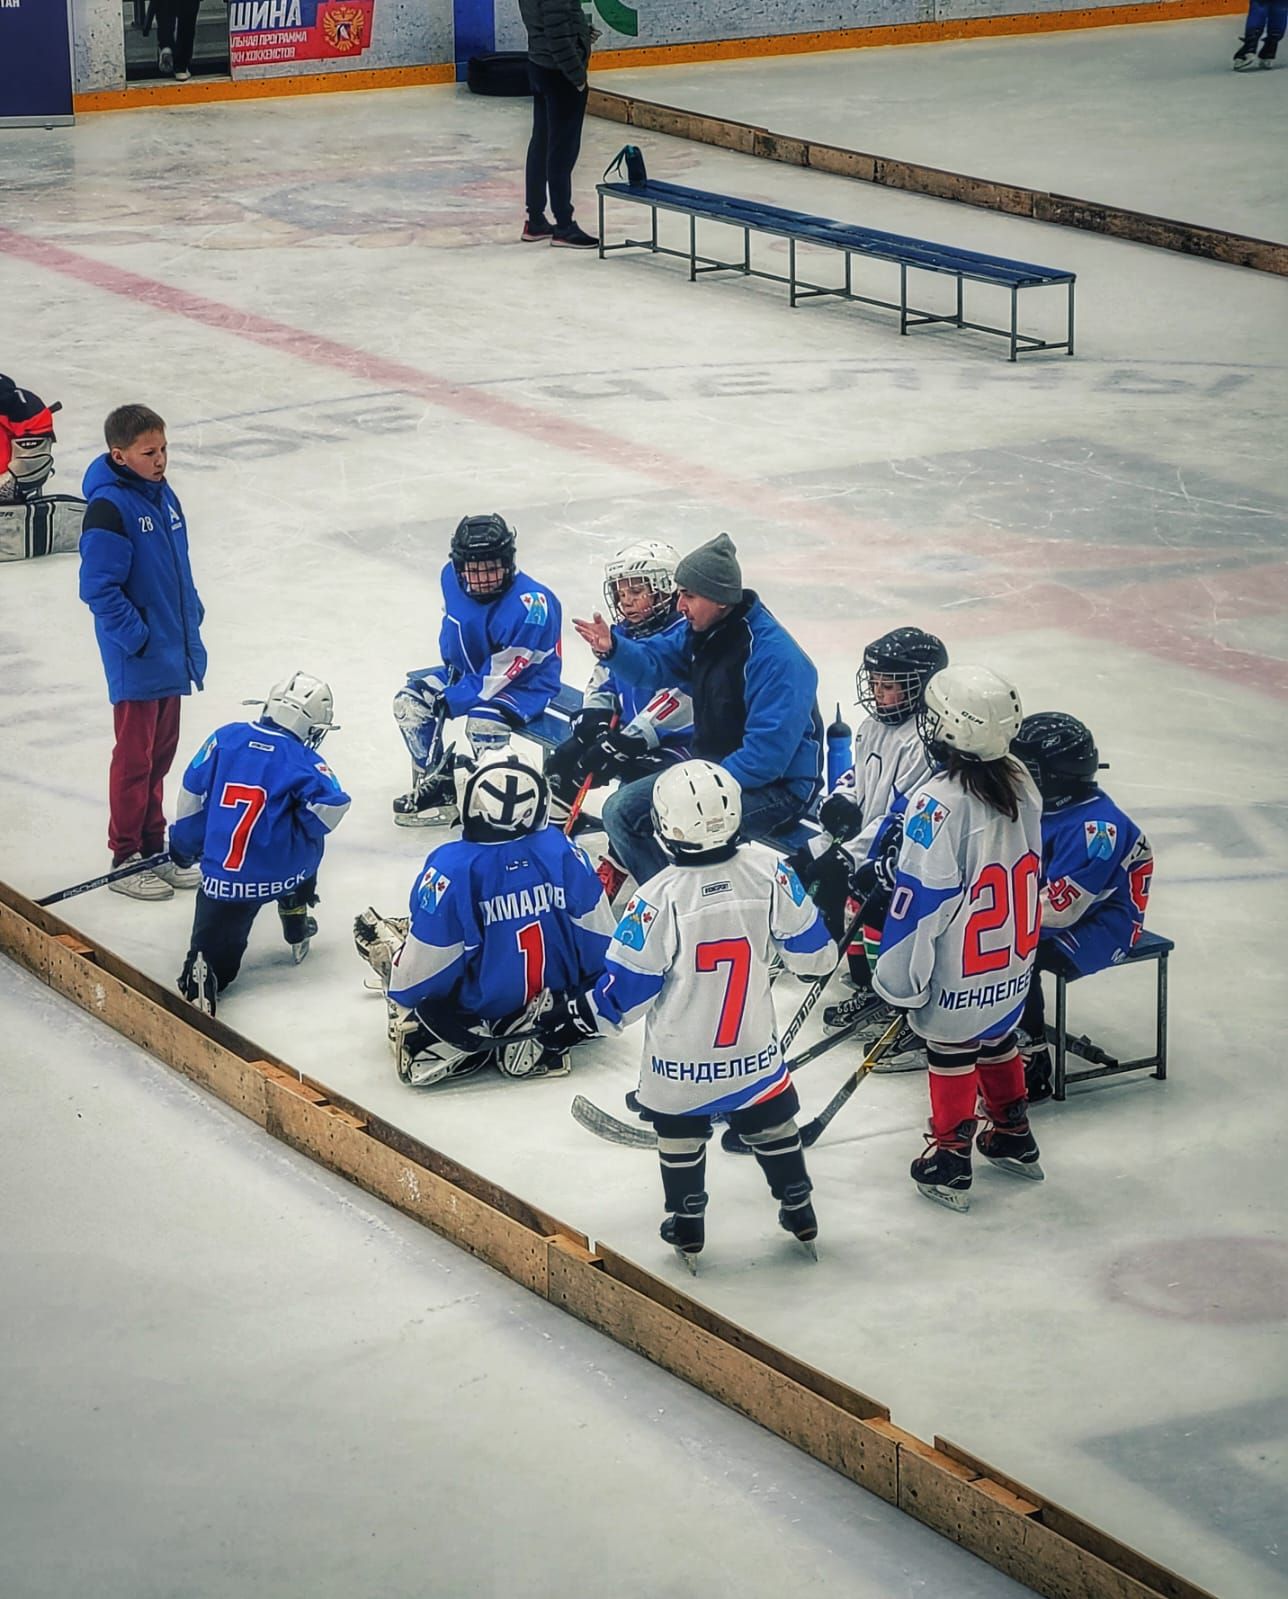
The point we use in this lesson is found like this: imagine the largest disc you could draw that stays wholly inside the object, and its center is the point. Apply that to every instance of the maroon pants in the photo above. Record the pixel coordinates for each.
(147, 735)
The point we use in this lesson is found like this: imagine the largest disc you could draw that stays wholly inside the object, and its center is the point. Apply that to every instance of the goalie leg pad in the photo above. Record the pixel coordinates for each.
(421, 1057)
(420, 714)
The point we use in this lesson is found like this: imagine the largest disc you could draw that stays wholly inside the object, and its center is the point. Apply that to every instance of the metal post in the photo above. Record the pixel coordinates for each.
(848, 286)
(1060, 1010)
(1070, 316)
(903, 297)
(693, 248)
(1015, 300)
(791, 267)
(1161, 1036)
(959, 299)
(746, 251)
(653, 213)
(601, 227)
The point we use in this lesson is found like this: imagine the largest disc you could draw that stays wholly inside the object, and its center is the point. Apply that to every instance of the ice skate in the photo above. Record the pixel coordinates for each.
(906, 1054)
(801, 1222)
(943, 1173)
(298, 929)
(686, 1235)
(1246, 55)
(1010, 1144)
(197, 984)
(865, 1010)
(430, 802)
(1269, 50)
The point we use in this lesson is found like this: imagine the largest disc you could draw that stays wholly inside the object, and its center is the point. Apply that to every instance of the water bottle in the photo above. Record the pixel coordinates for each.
(840, 750)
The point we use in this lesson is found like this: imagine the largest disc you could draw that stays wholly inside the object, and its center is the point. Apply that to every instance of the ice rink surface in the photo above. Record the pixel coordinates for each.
(327, 301)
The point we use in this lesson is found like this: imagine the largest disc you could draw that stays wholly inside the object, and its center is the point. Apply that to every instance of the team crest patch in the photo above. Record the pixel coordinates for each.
(321, 766)
(926, 816)
(636, 920)
(206, 751)
(537, 607)
(789, 880)
(433, 885)
(1102, 838)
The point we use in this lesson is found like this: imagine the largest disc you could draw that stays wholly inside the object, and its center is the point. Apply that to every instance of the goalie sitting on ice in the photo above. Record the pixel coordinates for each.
(501, 919)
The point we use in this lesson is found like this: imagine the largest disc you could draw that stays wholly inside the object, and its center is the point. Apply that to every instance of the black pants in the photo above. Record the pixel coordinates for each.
(1049, 959)
(221, 927)
(176, 30)
(558, 111)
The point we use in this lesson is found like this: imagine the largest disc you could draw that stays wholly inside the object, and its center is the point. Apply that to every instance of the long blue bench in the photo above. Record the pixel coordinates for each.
(798, 227)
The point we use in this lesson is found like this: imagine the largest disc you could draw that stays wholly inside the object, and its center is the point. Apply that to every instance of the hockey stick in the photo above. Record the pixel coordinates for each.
(117, 875)
(812, 1131)
(587, 784)
(604, 1125)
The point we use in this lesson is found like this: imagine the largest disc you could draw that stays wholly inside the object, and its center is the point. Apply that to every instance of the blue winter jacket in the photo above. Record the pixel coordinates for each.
(753, 691)
(136, 578)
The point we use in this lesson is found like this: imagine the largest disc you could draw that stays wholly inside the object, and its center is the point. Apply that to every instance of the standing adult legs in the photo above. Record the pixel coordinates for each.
(185, 33)
(534, 172)
(562, 109)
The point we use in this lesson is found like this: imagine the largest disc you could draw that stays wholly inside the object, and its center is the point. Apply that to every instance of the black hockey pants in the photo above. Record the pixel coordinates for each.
(221, 927)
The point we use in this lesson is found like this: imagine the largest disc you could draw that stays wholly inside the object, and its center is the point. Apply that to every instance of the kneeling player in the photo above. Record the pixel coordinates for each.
(651, 731)
(1097, 867)
(959, 940)
(501, 918)
(500, 646)
(255, 808)
(691, 954)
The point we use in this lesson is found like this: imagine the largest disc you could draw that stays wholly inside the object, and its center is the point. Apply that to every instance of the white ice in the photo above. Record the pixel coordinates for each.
(353, 350)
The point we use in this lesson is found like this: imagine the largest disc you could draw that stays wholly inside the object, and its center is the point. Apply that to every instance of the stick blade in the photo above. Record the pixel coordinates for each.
(608, 1127)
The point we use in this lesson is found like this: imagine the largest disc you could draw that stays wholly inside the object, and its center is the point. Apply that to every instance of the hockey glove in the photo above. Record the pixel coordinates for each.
(588, 723)
(840, 816)
(618, 749)
(826, 880)
(180, 859)
(570, 1021)
(563, 769)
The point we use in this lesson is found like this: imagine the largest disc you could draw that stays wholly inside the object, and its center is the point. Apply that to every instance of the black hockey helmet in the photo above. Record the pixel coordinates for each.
(911, 657)
(1061, 757)
(484, 543)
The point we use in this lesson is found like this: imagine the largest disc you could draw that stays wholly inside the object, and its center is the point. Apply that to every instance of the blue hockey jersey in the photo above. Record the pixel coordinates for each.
(664, 718)
(255, 808)
(492, 925)
(1097, 867)
(503, 652)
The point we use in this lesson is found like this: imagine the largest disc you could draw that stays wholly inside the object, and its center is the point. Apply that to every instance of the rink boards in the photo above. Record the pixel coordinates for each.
(1012, 1527)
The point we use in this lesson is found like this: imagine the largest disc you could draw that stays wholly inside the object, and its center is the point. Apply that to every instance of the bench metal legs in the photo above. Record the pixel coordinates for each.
(1103, 1064)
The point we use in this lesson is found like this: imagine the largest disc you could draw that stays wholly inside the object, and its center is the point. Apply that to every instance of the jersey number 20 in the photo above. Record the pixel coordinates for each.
(735, 953)
(1002, 899)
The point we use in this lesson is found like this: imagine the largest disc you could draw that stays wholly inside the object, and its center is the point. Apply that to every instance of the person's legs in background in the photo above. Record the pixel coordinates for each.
(537, 225)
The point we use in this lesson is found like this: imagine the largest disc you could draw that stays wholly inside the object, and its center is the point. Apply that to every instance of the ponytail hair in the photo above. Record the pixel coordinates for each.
(998, 783)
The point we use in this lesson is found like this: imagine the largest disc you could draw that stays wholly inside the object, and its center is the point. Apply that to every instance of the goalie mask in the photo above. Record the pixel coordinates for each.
(891, 683)
(27, 442)
(1061, 757)
(300, 704)
(639, 587)
(969, 711)
(503, 798)
(697, 810)
(483, 555)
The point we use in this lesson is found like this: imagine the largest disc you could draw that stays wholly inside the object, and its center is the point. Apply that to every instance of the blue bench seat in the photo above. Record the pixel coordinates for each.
(1148, 947)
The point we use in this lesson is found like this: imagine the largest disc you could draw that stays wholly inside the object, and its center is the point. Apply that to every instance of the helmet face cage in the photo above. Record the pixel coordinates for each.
(696, 810)
(643, 570)
(503, 798)
(905, 661)
(302, 705)
(483, 555)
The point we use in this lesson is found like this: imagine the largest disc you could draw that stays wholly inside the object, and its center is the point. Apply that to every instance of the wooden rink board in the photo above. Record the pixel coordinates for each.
(1138, 227)
(1005, 1523)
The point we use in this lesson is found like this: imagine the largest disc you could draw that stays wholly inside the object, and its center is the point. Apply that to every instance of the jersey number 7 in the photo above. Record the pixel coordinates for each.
(254, 799)
(736, 954)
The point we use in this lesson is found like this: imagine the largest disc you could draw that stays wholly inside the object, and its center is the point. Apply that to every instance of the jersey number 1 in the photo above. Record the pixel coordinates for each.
(531, 940)
(736, 954)
(254, 799)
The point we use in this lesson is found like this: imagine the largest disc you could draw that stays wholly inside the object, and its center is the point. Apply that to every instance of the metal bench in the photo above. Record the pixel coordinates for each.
(1148, 947)
(798, 228)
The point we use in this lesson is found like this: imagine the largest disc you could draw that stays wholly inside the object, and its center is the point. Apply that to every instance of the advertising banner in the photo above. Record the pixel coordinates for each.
(35, 63)
(270, 32)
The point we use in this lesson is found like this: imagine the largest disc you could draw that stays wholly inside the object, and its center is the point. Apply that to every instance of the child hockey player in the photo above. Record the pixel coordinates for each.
(255, 808)
(652, 731)
(1097, 867)
(500, 646)
(1270, 16)
(962, 930)
(500, 919)
(691, 955)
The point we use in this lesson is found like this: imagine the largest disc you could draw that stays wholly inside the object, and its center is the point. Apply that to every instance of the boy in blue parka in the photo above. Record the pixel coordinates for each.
(136, 578)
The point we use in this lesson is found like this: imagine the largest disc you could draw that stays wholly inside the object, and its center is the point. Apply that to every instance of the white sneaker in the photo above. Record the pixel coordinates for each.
(165, 60)
(182, 75)
(143, 885)
(179, 876)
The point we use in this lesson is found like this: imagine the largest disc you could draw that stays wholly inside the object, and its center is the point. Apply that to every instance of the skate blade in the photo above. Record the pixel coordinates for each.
(200, 972)
(1017, 1168)
(300, 950)
(691, 1261)
(901, 1063)
(810, 1248)
(435, 816)
(951, 1198)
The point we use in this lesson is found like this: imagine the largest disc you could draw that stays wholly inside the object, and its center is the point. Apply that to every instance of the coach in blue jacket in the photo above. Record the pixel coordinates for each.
(136, 578)
(754, 706)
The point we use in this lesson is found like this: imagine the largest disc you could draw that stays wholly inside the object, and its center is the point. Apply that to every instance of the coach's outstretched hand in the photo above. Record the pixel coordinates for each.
(596, 633)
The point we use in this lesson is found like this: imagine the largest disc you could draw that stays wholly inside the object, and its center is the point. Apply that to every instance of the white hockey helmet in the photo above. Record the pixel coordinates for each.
(697, 808)
(503, 797)
(301, 704)
(652, 565)
(969, 711)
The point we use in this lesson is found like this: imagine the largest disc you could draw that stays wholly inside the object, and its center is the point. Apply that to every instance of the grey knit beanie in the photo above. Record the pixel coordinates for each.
(712, 571)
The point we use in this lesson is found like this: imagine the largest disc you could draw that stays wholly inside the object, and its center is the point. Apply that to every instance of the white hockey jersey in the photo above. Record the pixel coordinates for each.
(962, 930)
(691, 954)
(890, 764)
